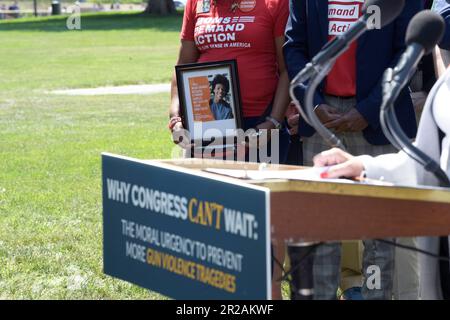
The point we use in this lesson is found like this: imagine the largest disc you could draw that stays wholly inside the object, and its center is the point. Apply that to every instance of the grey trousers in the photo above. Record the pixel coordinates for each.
(378, 257)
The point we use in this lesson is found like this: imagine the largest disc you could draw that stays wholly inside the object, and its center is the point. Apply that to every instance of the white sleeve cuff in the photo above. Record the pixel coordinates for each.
(393, 167)
(371, 169)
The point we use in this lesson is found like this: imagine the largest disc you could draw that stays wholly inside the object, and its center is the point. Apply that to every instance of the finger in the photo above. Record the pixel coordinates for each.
(184, 144)
(330, 157)
(347, 169)
(324, 161)
(293, 121)
(333, 116)
(333, 110)
(180, 138)
(293, 131)
(343, 127)
(325, 120)
(333, 123)
(178, 126)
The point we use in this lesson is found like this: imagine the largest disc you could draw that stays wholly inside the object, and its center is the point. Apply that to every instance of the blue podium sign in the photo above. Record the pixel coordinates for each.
(182, 234)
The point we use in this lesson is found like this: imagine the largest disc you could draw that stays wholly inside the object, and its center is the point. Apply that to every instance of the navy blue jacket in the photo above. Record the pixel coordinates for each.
(443, 8)
(307, 33)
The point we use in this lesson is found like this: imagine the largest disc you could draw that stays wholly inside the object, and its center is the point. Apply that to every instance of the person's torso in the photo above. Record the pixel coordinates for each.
(221, 110)
(241, 30)
(376, 51)
(342, 14)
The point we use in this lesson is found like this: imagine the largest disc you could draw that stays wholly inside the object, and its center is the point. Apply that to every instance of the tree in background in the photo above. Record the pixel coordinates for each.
(161, 7)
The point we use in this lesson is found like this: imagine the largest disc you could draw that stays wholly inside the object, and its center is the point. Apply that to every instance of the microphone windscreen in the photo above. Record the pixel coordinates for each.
(426, 29)
(388, 9)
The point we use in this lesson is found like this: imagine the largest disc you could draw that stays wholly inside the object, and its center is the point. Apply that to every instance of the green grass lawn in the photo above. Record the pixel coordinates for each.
(50, 175)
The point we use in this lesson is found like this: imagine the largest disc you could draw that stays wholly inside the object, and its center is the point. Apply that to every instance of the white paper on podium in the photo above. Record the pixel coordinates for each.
(310, 174)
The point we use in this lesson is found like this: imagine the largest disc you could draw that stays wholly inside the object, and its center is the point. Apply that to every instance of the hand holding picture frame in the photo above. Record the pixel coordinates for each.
(210, 102)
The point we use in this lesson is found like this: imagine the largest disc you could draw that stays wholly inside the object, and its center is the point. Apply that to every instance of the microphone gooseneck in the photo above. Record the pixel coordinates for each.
(330, 138)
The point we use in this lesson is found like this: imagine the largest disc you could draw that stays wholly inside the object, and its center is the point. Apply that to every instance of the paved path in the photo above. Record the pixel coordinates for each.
(134, 89)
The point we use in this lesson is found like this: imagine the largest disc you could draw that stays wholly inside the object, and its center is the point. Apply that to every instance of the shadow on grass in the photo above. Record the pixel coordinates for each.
(102, 21)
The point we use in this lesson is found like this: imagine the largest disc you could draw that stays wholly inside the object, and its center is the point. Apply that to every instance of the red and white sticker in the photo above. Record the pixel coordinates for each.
(247, 5)
(342, 15)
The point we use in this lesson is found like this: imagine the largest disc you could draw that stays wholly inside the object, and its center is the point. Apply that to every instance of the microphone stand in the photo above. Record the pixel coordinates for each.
(385, 112)
(315, 81)
(397, 136)
(301, 253)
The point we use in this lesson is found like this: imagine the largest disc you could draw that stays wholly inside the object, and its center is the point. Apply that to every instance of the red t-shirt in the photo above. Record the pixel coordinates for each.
(246, 34)
(342, 14)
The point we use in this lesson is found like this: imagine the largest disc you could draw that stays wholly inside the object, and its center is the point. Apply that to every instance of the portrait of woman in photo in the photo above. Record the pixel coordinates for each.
(220, 108)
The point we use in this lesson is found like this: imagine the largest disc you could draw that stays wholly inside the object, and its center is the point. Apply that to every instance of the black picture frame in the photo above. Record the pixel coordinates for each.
(189, 109)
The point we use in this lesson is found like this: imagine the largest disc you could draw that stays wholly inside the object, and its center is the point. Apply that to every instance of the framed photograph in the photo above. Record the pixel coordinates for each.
(210, 101)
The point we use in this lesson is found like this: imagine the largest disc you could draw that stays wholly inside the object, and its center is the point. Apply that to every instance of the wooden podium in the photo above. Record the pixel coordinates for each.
(325, 211)
(300, 211)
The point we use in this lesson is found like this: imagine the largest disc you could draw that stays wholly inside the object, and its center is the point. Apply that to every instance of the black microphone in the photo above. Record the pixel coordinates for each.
(424, 32)
(384, 10)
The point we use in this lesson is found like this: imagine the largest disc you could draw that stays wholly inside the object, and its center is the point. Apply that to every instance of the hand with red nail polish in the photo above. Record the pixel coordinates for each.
(324, 175)
(342, 164)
